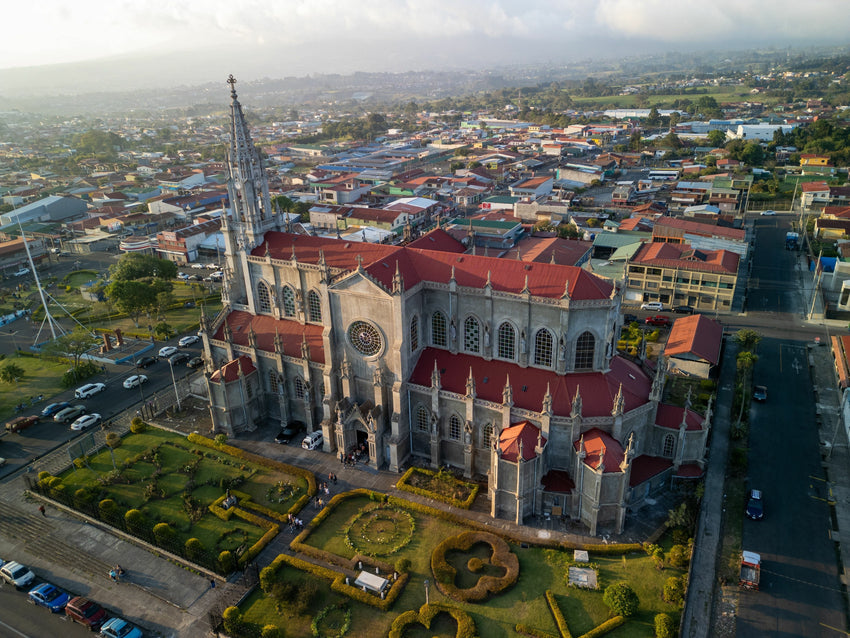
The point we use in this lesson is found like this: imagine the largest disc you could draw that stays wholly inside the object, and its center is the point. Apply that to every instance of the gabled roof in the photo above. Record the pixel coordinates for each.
(814, 187)
(644, 467)
(699, 228)
(670, 416)
(438, 239)
(509, 441)
(597, 389)
(598, 443)
(230, 371)
(673, 256)
(291, 333)
(695, 335)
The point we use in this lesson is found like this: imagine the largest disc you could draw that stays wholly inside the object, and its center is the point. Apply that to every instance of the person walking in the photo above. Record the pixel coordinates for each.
(41, 509)
(113, 575)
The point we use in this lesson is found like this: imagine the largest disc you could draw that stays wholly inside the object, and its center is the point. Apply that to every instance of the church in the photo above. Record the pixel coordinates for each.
(496, 368)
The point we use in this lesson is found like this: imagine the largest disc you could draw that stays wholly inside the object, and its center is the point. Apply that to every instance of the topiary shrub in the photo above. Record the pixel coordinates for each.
(475, 564)
(220, 439)
(135, 521)
(486, 586)
(226, 562)
(271, 631)
(194, 548)
(137, 426)
(108, 509)
(674, 592)
(402, 565)
(267, 578)
(621, 599)
(664, 626)
(113, 439)
(233, 624)
(163, 533)
(677, 556)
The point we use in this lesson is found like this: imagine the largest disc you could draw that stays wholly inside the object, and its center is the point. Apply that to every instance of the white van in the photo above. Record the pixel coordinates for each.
(313, 440)
(652, 305)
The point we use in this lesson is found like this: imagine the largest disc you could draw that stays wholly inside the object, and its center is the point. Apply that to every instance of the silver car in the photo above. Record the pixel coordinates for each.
(69, 414)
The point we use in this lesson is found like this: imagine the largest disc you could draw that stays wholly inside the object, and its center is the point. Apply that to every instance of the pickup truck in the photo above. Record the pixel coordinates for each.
(750, 570)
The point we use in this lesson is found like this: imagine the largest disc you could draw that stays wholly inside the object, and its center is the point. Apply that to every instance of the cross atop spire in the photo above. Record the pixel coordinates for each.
(232, 82)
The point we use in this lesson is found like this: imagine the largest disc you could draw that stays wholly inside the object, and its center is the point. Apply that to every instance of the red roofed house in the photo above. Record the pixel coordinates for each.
(693, 347)
(497, 367)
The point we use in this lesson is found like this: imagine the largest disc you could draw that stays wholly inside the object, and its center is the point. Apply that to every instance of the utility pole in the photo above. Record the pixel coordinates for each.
(816, 283)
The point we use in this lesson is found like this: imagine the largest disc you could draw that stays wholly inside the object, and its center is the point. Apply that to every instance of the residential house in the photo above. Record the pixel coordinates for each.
(693, 346)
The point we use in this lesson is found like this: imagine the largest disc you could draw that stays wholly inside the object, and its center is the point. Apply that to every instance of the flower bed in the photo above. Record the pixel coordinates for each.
(380, 530)
(441, 486)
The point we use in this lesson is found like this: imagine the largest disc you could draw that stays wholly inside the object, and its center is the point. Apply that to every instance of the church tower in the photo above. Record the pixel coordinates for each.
(250, 205)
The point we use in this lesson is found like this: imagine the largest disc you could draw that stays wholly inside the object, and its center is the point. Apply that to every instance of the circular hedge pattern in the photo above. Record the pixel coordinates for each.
(380, 530)
(333, 621)
(487, 586)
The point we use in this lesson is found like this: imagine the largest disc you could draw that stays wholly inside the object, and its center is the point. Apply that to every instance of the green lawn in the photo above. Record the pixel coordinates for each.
(41, 376)
(540, 570)
(160, 470)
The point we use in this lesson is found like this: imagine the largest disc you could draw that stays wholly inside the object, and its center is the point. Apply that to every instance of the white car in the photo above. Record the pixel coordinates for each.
(188, 341)
(135, 380)
(652, 305)
(88, 390)
(182, 276)
(16, 574)
(167, 351)
(21, 272)
(218, 275)
(85, 421)
(768, 213)
(198, 266)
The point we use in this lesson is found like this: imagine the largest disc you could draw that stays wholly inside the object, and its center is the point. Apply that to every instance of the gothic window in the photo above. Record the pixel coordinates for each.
(487, 436)
(264, 298)
(669, 446)
(454, 428)
(250, 388)
(471, 332)
(300, 388)
(365, 338)
(585, 346)
(414, 333)
(438, 329)
(543, 348)
(422, 419)
(507, 341)
(288, 302)
(274, 381)
(315, 306)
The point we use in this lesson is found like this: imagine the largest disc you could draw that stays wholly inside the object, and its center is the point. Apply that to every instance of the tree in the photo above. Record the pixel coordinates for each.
(283, 203)
(654, 118)
(621, 599)
(11, 372)
(135, 266)
(131, 297)
(753, 154)
(674, 592)
(716, 138)
(72, 345)
(747, 339)
(164, 298)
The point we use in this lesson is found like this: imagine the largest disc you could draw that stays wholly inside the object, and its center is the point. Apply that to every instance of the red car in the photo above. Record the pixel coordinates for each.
(657, 320)
(21, 423)
(85, 612)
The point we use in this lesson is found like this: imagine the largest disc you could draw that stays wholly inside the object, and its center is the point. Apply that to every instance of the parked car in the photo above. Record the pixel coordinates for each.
(85, 421)
(16, 574)
(313, 440)
(198, 266)
(195, 362)
(178, 357)
(683, 310)
(629, 319)
(188, 304)
(218, 275)
(657, 320)
(196, 277)
(290, 432)
(89, 390)
(53, 408)
(760, 393)
(755, 506)
(21, 272)
(86, 612)
(768, 213)
(188, 340)
(119, 628)
(182, 276)
(652, 305)
(69, 414)
(167, 351)
(135, 381)
(50, 596)
(21, 423)
(146, 362)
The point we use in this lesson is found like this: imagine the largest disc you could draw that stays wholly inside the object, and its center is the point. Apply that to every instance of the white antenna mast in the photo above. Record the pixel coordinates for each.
(54, 326)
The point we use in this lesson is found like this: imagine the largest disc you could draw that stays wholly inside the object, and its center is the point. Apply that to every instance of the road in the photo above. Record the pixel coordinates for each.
(20, 619)
(800, 589)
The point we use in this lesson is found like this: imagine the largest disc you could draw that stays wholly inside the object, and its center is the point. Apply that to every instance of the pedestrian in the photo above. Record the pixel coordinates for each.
(212, 583)
(333, 478)
(119, 570)
(342, 458)
(41, 509)
(327, 490)
(113, 575)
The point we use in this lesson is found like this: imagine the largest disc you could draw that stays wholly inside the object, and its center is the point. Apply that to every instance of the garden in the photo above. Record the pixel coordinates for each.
(478, 583)
(202, 499)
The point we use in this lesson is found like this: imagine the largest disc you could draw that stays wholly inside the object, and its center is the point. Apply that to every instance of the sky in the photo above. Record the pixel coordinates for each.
(296, 37)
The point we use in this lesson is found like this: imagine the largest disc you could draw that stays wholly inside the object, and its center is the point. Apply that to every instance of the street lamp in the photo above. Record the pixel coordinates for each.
(174, 382)
(426, 592)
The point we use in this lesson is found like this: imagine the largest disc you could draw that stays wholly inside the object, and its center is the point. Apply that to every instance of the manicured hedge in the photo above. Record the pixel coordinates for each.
(426, 613)
(558, 615)
(444, 573)
(525, 630)
(464, 504)
(604, 628)
(244, 502)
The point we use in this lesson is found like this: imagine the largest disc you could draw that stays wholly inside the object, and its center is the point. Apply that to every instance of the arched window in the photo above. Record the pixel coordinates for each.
(274, 381)
(300, 388)
(585, 346)
(454, 428)
(422, 419)
(288, 302)
(487, 436)
(438, 329)
(669, 446)
(471, 335)
(507, 341)
(315, 306)
(264, 298)
(414, 333)
(543, 348)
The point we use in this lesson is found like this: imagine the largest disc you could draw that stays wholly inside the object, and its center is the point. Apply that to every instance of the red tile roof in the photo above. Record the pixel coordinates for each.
(415, 265)
(510, 438)
(541, 249)
(670, 416)
(689, 470)
(557, 481)
(599, 443)
(291, 333)
(438, 239)
(644, 467)
(696, 335)
(597, 389)
(814, 187)
(231, 369)
(698, 228)
(682, 256)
